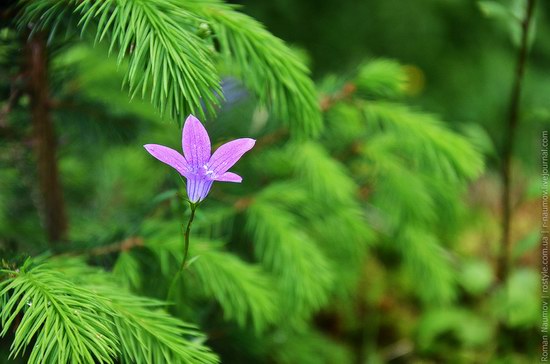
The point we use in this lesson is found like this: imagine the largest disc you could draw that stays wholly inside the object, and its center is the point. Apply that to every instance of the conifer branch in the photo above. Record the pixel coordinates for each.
(165, 58)
(74, 313)
(303, 273)
(265, 64)
(243, 290)
(171, 60)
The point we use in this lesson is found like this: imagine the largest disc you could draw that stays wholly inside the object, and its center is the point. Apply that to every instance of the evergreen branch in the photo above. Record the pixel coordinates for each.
(345, 93)
(381, 78)
(242, 289)
(326, 177)
(304, 274)
(64, 320)
(405, 194)
(343, 233)
(215, 223)
(429, 264)
(308, 163)
(149, 334)
(77, 314)
(168, 59)
(165, 57)
(127, 270)
(267, 66)
(309, 347)
(424, 141)
(121, 246)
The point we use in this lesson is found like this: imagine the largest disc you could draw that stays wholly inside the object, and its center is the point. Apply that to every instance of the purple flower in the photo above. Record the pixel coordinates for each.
(196, 164)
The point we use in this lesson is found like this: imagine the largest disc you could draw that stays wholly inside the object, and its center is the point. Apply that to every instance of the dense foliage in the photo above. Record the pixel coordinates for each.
(366, 229)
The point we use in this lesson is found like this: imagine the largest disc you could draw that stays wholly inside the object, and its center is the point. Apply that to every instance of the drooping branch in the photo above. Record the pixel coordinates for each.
(44, 143)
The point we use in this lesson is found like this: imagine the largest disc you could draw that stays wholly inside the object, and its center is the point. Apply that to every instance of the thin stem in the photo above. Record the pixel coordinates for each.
(186, 235)
(185, 251)
(503, 268)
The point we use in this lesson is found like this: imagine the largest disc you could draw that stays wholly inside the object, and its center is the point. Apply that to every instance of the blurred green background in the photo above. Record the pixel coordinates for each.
(465, 51)
(377, 242)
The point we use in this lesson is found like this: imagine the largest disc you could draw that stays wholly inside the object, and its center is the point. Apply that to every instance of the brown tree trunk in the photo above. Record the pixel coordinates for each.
(51, 193)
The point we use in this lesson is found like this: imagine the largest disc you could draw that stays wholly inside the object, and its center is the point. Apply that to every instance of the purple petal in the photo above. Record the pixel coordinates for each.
(228, 154)
(198, 188)
(229, 177)
(195, 143)
(169, 156)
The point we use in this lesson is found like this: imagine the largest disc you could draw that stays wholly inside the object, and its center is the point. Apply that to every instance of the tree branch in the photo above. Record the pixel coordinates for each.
(120, 246)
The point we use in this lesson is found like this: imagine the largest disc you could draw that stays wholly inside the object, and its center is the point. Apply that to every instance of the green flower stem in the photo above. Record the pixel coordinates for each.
(185, 251)
(186, 235)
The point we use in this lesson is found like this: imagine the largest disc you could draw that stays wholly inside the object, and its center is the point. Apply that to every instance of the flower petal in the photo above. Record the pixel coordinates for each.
(195, 143)
(228, 154)
(198, 188)
(169, 156)
(229, 177)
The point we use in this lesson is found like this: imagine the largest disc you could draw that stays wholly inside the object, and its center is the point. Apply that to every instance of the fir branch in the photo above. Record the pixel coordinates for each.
(149, 334)
(428, 263)
(267, 66)
(343, 232)
(165, 58)
(405, 194)
(305, 276)
(169, 60)
(423, 140)
(121, 246)
(308, 347)
(217, 222)
(242, 289)
(344, 235)
(127, 270)
(381, 78)
(325, 177)
(74, 313)
(63, 322)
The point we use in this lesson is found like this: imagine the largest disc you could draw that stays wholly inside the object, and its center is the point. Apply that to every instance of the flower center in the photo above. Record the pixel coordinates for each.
(208, 173)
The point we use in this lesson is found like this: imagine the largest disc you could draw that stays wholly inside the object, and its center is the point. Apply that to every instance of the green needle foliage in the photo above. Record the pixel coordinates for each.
(165, 57)
(300, 263)
(409, 129)
(170, 48)
(242, 290)
(268, 262)
(292, 257)
(150, 335)
(70, 312)
(66, 321)
(265, 64)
